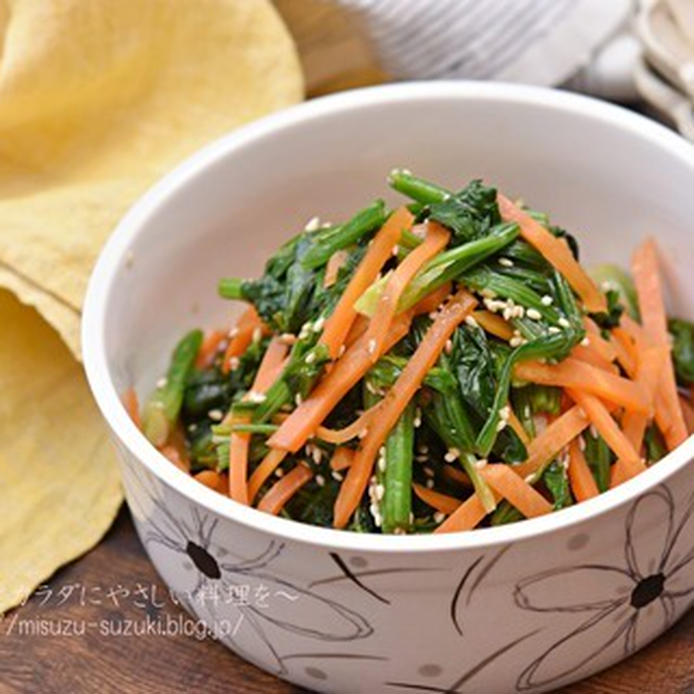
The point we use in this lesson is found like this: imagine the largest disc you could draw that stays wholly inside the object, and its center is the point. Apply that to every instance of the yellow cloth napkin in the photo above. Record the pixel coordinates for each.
(97, 100)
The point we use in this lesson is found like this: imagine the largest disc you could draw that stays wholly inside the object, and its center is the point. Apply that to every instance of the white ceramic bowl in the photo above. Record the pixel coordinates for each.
(533, 605)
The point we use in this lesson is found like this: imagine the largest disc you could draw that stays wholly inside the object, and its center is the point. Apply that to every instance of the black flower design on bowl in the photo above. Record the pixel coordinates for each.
(644, 582)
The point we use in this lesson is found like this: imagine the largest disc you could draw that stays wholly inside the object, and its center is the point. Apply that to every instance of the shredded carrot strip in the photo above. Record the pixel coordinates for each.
(433, 300)
(494, 324)
(209, 347)
(132, 406)
(558, 434)
(239, 441)
(594, 358)
(350, 431)
(265, 468)
(503, 480)
(284, 489)
(359, 327)
(516, 425)
(609, 430)
(625, 348)
(332, 268)
(436, 238)
(465, 517)
(396, 400)
(441, 502)
(572, 373)
(556, 251)
(212, 479)
(342, 458)
(347, 371)
(580, 477)
(597, 342)
(457, 475)
(340, 321)
(646, 273)
(688, 413)
(241, 336)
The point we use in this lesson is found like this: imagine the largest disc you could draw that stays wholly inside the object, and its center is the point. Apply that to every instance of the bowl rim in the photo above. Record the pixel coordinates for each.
(114, 254)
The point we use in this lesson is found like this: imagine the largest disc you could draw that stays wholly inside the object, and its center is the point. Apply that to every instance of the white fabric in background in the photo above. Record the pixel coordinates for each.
(541, 42)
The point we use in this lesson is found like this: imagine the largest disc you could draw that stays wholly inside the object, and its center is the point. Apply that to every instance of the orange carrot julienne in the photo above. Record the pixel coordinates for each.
(558, 434)
(342, 458)
(457, 475)
(347, 371)
(435, 240)
(597, 342)
(441, 502)
(609, 430)
(212, 479)
(572, 373)
(359, 327)
(504, 481)
(594, 358)
(284, 489)
(332, 268)
(556, 251)
(396, 400)
(468, 515)
(241, 336)
(265, 468)
(350, 431)
(340, 321)
(239, 442)
(132, 406)
(432, 300)
(582, 482)
(516, 425)
(688, 413)
(493, 324)
(646, 273)
(209, 347)
(626, 350)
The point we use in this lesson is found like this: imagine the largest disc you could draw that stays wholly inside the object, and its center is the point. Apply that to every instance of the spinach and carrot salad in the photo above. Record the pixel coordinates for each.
(439, 367)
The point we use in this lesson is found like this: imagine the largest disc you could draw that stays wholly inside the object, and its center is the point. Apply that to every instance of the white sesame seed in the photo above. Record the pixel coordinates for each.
(564, 323)
(380, 491)
(257, 334)
(336, 475)
(429, 484)
(287, 338)
(505, 412)
(417, 422)
(471, 321)
(192, 427)
(593, 431)
(581, 443)
(533, 314)
(585, 342)
(488, 293)
(506, 262)
(451, 455)
(449, 346)
(371, 388)
(342, 350)
(362, 434)
(161, 383)
(439, 517)
(381, 464)
(546, 300)
(318, 325)
(320, 480)
(313, 224)
(298, 399)
(234, 363)
(516, 341)
(255, 397)
(372, 346)
(279, 472)
(394, 251)
(553, 330)
(422, 458)
(501, 425)
(428, 471)
(233, 332)
(317, 454)
(216, 415)
(310, 358)
(423, 448)
(529, 478)
(479, 464)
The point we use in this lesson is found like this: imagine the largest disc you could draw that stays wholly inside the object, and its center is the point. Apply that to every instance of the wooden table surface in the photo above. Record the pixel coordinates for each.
(71, 635)
(42, 648)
